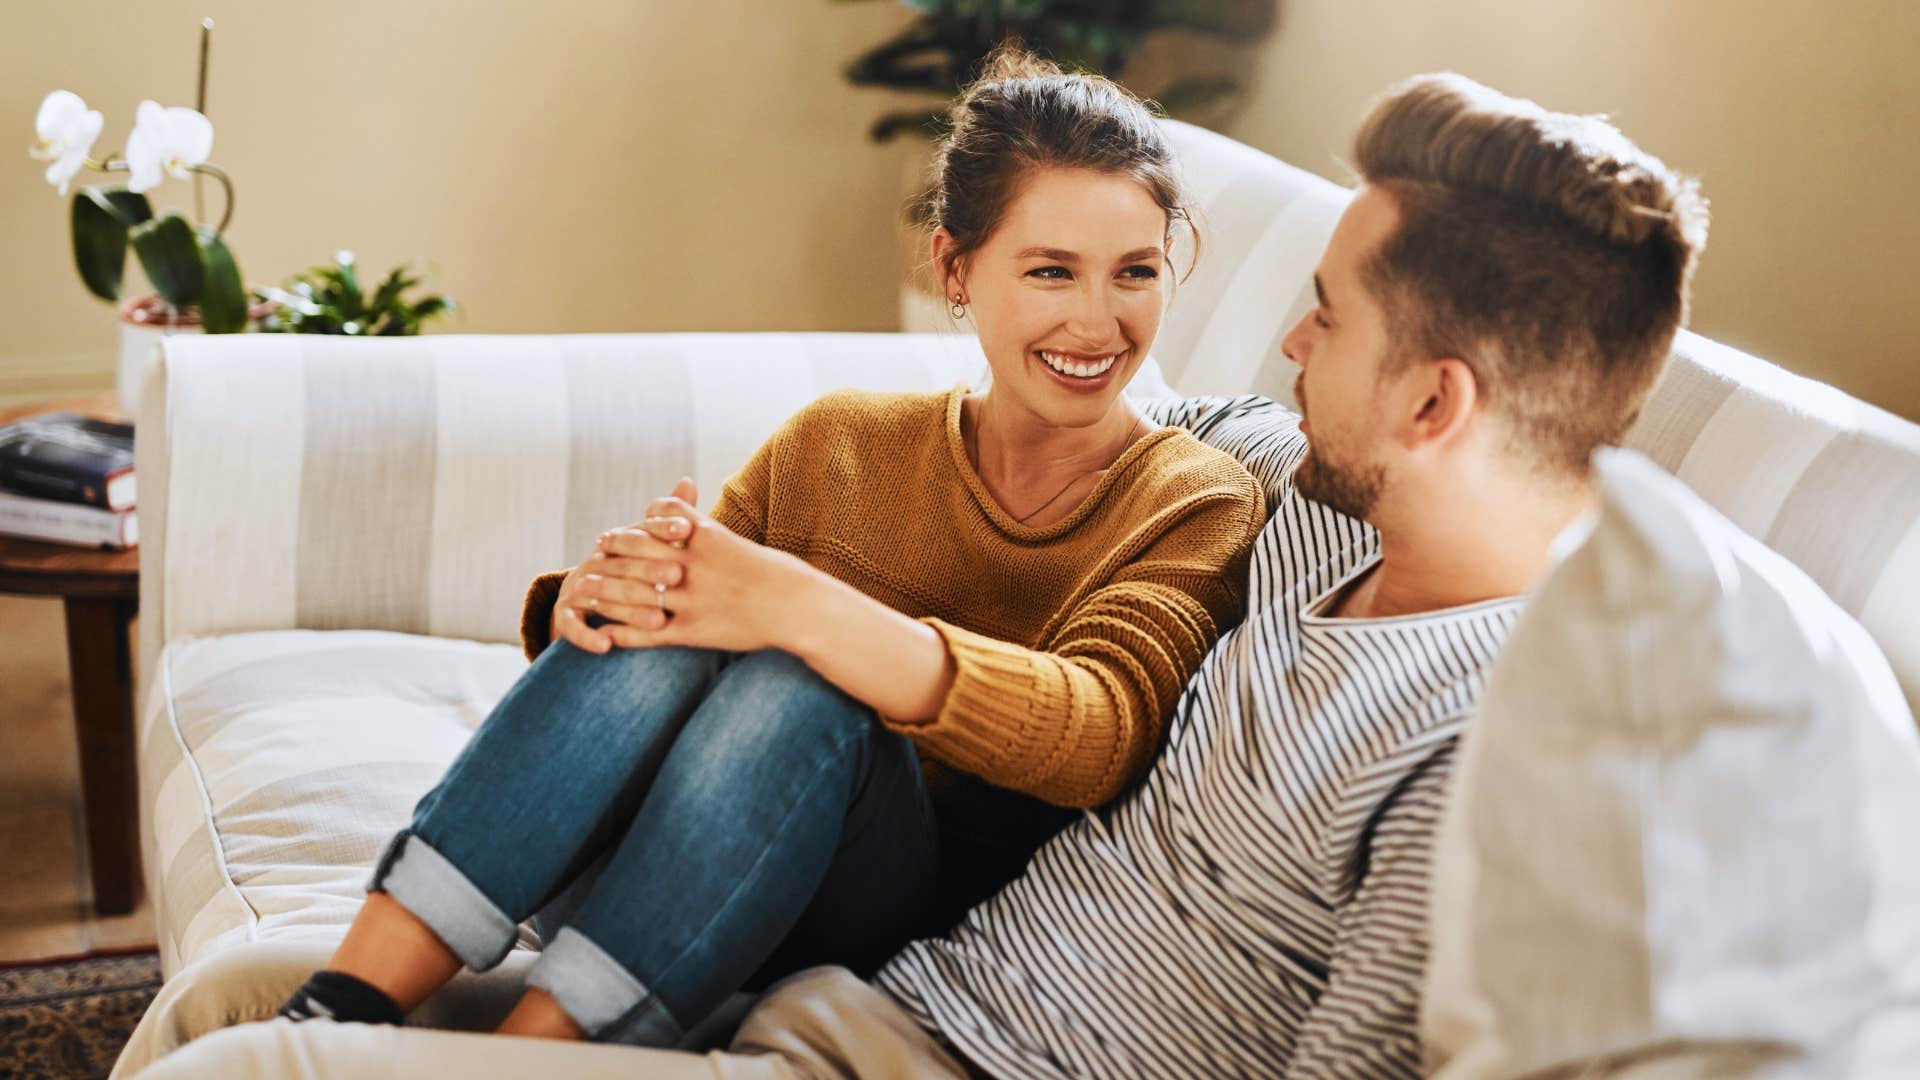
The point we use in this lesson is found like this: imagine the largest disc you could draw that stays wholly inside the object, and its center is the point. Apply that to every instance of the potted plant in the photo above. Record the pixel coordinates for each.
(328, 300)
(196, 279)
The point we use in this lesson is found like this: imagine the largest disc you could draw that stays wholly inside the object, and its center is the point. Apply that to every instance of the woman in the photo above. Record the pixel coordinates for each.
(855, 698)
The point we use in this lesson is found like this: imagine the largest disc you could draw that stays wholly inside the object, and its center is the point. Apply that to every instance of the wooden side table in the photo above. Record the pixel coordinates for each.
(102, 594)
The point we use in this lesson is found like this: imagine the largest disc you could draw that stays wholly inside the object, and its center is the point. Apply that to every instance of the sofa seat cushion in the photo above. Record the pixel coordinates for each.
(274, 766)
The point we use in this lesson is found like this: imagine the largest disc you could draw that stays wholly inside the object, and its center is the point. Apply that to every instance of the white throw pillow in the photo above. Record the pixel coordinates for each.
(1682, 840)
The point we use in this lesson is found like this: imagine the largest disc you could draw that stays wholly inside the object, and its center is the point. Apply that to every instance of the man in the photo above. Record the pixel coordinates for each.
(1494, 304)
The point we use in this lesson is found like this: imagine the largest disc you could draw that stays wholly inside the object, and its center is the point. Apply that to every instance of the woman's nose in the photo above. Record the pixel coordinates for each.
(1092, 322)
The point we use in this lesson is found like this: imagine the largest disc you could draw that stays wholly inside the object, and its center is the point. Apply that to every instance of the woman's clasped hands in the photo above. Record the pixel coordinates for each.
(678, 578)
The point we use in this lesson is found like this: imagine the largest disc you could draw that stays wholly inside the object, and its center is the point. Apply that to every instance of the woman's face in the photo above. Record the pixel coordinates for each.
(1068, 292)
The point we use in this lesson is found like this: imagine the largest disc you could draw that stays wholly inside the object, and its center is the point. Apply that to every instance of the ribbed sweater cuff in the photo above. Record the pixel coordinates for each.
(536, 615)
(1013, 718)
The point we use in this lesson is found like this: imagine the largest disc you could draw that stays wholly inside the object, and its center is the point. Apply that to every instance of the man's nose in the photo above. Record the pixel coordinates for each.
(1294, 345)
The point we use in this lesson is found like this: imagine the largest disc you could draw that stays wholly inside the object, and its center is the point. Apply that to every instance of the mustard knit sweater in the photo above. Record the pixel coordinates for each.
(1071, 642)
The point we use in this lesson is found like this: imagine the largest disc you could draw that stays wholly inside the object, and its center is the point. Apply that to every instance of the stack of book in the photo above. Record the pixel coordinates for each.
(68, 479)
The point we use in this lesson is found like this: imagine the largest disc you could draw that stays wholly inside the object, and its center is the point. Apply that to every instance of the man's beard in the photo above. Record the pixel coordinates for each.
(1349, 491)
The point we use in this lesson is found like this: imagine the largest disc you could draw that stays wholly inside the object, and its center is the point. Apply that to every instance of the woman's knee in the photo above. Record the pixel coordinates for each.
(782, 699)
(565, 672)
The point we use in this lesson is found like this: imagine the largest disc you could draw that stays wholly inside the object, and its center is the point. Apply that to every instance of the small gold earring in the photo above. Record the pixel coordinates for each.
(959, 307)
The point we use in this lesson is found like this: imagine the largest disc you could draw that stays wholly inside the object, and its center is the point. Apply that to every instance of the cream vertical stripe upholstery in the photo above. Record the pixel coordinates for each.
(416, 485)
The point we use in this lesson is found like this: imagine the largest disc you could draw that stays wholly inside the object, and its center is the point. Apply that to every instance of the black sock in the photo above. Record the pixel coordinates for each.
(335, 995)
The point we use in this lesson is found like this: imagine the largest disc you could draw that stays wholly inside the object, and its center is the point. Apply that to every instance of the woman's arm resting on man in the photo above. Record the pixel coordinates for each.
(1077, 722)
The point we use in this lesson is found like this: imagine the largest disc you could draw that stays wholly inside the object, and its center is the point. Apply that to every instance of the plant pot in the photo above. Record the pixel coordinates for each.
(144, 322)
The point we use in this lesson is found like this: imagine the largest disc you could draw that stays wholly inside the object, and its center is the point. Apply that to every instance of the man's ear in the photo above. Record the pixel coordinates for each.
(946, 269)
(1444, 394)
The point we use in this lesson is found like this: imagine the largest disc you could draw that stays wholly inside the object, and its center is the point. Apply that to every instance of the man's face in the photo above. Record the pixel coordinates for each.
(1342, 347)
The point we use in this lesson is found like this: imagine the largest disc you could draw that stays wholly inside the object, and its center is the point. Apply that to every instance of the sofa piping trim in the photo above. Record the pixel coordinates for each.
(206, 801)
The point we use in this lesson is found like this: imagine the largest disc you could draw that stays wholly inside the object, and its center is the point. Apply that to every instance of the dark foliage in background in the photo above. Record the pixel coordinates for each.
(943, 48)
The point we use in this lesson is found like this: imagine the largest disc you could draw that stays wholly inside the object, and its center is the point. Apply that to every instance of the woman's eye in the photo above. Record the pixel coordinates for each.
(1141, 273)
(1320, 320)
(1051, 273)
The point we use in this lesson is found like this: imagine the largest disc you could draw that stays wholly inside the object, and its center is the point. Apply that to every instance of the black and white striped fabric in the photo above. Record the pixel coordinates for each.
(1257, 906)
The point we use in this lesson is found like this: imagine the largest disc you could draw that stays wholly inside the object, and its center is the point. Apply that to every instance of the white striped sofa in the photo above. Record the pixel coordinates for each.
(338, 533)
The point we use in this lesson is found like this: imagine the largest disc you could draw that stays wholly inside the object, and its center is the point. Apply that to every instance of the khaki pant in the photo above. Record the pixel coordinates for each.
(820, 1023)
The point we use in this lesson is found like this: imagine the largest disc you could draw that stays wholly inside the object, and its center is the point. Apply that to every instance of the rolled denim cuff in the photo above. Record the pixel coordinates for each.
(424, 882)
(604, 998)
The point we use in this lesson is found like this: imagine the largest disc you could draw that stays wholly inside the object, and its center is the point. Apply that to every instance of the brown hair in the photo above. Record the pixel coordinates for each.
(1545, 249)
(1025, 113)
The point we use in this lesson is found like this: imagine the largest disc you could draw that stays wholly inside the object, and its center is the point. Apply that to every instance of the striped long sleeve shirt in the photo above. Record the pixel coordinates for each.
(1257, 905)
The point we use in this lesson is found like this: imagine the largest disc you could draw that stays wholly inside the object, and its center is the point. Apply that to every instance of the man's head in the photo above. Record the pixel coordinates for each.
(1507, 283)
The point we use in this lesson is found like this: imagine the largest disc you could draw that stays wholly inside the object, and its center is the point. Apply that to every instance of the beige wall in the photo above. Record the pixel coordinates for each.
(571, 165)
(671, 164)
(1802, 121)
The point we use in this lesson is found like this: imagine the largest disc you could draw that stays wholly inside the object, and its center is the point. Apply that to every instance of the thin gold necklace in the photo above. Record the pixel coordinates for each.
(973, 457)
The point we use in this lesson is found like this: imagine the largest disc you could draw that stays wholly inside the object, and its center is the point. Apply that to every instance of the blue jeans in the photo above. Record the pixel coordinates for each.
(680, 821)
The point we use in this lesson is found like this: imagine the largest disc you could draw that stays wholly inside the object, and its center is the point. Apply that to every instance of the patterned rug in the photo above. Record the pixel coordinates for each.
(68, 1021)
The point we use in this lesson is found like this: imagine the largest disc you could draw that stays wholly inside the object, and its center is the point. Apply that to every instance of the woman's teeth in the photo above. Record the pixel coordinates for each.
(1079, 368)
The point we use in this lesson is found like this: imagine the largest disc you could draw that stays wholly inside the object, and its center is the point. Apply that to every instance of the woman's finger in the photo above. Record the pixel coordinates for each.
(574, 628)
(670, 529)
(635, 543)
(671, 507)
(633, 637)
(685, 490)
(647, 616)
(634, 587)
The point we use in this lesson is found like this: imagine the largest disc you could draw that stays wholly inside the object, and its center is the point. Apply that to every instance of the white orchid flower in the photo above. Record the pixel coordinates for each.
(66, 128)
(169, 141)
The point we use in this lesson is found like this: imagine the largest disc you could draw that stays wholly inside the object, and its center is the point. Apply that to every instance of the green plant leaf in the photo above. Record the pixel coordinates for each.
(223, 300)
(170, 254)
(1240, 20)
(915, 59)
(387, 296)
(352, 305)
(99, 243)
(932, 124)
(132, 206)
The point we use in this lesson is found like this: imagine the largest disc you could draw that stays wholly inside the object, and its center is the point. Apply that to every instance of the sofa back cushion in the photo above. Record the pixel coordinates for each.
(1825, 479)
(417, 484)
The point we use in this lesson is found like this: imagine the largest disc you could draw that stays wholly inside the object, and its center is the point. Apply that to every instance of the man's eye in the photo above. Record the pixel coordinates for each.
(1051, 273)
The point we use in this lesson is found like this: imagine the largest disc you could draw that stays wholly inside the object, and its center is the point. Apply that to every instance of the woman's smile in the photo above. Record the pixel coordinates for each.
(1081, 371)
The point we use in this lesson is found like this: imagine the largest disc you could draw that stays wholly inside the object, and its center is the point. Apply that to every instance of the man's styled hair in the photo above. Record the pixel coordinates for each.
(1544, 249)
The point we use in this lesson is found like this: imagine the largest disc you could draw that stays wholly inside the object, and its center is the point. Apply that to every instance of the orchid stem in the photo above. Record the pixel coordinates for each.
(220, 175)
(120, 165)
